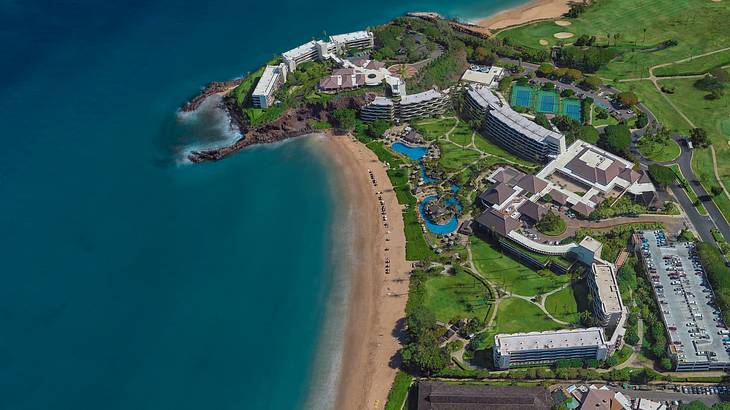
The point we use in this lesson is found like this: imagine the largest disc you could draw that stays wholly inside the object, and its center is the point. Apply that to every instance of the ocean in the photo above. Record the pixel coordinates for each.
(130, 279)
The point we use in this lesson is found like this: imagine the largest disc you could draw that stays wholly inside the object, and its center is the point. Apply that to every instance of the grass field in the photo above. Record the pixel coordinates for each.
(509, 274)
(697, 26)
(455, 158)
(462, 134)
(695, 66)
(518, 315)
(432, 129)
(566, 304)
(660, 151)
(459, 295)
(649, 95)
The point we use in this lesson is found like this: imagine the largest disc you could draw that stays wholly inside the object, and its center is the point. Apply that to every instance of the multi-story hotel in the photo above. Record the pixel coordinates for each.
(274, 76)
(356, 39)
(546, 347)
(381, 108)
(407, 107)
(510, 129)
(318, 49)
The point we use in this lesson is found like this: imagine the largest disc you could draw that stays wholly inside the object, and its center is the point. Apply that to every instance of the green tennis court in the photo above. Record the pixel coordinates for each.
(522, 96)
(571, 108)
(547, 101)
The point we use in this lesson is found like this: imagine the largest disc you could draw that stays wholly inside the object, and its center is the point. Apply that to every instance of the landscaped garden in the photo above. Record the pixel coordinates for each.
(566, 304)
(659, 147)
(518, 315)
(457, 295)
(500, 269)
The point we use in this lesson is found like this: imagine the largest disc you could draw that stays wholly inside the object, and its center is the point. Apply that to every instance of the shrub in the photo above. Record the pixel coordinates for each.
(617, 139)
(662, 176)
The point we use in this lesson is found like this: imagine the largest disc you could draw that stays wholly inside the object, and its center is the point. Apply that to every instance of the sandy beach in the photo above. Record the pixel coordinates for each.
(534, 10)
(377, 300)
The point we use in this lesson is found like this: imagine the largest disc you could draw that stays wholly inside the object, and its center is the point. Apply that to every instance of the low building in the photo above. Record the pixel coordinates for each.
(498, 222)
(273, 77)
(488, 78)
(341, 79)
(547, 347)
(448, 396)
(510, 129)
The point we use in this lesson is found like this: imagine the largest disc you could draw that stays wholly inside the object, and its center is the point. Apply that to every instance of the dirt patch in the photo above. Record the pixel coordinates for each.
(543, 42)
(563, 34)
(563, 23)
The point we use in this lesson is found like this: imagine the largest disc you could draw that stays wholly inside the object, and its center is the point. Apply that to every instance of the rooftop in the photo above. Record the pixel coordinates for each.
(447, 396)
(497, 221)
(506, 343)
(532, 184)
(267, 81)
(605, 278)
(305, 48)
(497, 194)
(533, 210)
(354, 36)
(481, 77)
(420, 97)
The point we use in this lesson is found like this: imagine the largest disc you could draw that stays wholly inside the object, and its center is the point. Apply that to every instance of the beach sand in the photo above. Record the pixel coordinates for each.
(534, 10)
(377, 300)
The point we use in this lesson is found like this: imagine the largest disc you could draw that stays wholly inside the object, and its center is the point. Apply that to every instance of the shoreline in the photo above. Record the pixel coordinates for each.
(525, 13)
(376, 302)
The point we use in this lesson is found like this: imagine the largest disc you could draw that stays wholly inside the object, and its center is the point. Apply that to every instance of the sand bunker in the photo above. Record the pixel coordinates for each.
(563, 34)
(563, 23)
(543, 42)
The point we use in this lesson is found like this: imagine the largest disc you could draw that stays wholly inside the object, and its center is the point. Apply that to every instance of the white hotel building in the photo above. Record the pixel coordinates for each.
(510, 129)
(274, 76)
(546, 347)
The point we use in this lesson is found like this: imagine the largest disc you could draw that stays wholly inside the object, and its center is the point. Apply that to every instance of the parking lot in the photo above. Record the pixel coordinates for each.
(697, 336)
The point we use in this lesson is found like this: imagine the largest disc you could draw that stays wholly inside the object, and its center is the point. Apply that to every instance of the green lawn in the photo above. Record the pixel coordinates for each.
(698, 26)
(517, 315)
(566, 304)
(462, 134)
(485, 145)
(556, 230)
(695, 66)
(459, 295)
(597, 122)
(455, 158)
(509, 274)
(399, 390)
(433, 128)
(652, 98)
(660, 151)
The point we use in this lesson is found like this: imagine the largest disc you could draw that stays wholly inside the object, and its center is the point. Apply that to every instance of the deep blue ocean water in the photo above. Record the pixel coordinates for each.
(127, 280)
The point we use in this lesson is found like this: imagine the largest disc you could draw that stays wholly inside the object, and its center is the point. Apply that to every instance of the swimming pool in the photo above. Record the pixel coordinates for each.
(448, 227)
(426, 179)
(414, 153)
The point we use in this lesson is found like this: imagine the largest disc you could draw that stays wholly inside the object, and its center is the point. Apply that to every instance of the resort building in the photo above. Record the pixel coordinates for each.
(341, 79)
(449, 396)
(597, 175)
(488, 78)
(547, 347)
(357, 39)
(607, 304)
(426, 104)
(510, 129)
(273, 77)
(381, 108)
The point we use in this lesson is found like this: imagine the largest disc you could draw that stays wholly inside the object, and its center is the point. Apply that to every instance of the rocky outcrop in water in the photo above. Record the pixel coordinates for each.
(293, 123)
(214, 87)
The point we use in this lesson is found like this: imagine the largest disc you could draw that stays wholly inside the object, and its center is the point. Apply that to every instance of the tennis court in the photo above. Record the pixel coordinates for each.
(547, 101)
(522, 96)
(571, 108)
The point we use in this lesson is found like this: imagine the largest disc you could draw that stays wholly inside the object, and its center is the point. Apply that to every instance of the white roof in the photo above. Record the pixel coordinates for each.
(382, 101)
(591, 244)
(305, 48)
(480, 77)
(559, 339)
(354, 36)
(604, 275)
(420, 97)
(267, 81)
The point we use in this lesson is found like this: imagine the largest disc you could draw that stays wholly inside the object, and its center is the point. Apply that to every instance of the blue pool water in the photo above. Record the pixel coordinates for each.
(426, 179)
(448, 227)
(414, 153)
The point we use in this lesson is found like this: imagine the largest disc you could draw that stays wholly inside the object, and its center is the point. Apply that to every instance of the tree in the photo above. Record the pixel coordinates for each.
(541, 120)
(591, 82)
(617, 139)
(377, 128)
(720, 75)
(344, 118)
(425, 355)
(662, 176)
(589, 134)
(550, 222)
(573, 74)
(483, 56)
(548, 86)
(665, 363)
(699, 137)
(568, 92)
(612, 361)
(627, 98)
(709, 83)
(421, 321)
(716, 190)
(545, 69)
(642, 120)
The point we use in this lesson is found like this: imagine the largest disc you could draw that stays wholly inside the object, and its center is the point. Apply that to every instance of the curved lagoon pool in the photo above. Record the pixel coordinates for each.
(448, 227)
(414, 153)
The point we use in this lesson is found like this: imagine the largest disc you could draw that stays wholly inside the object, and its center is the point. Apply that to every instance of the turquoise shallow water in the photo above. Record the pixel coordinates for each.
(129, 281)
